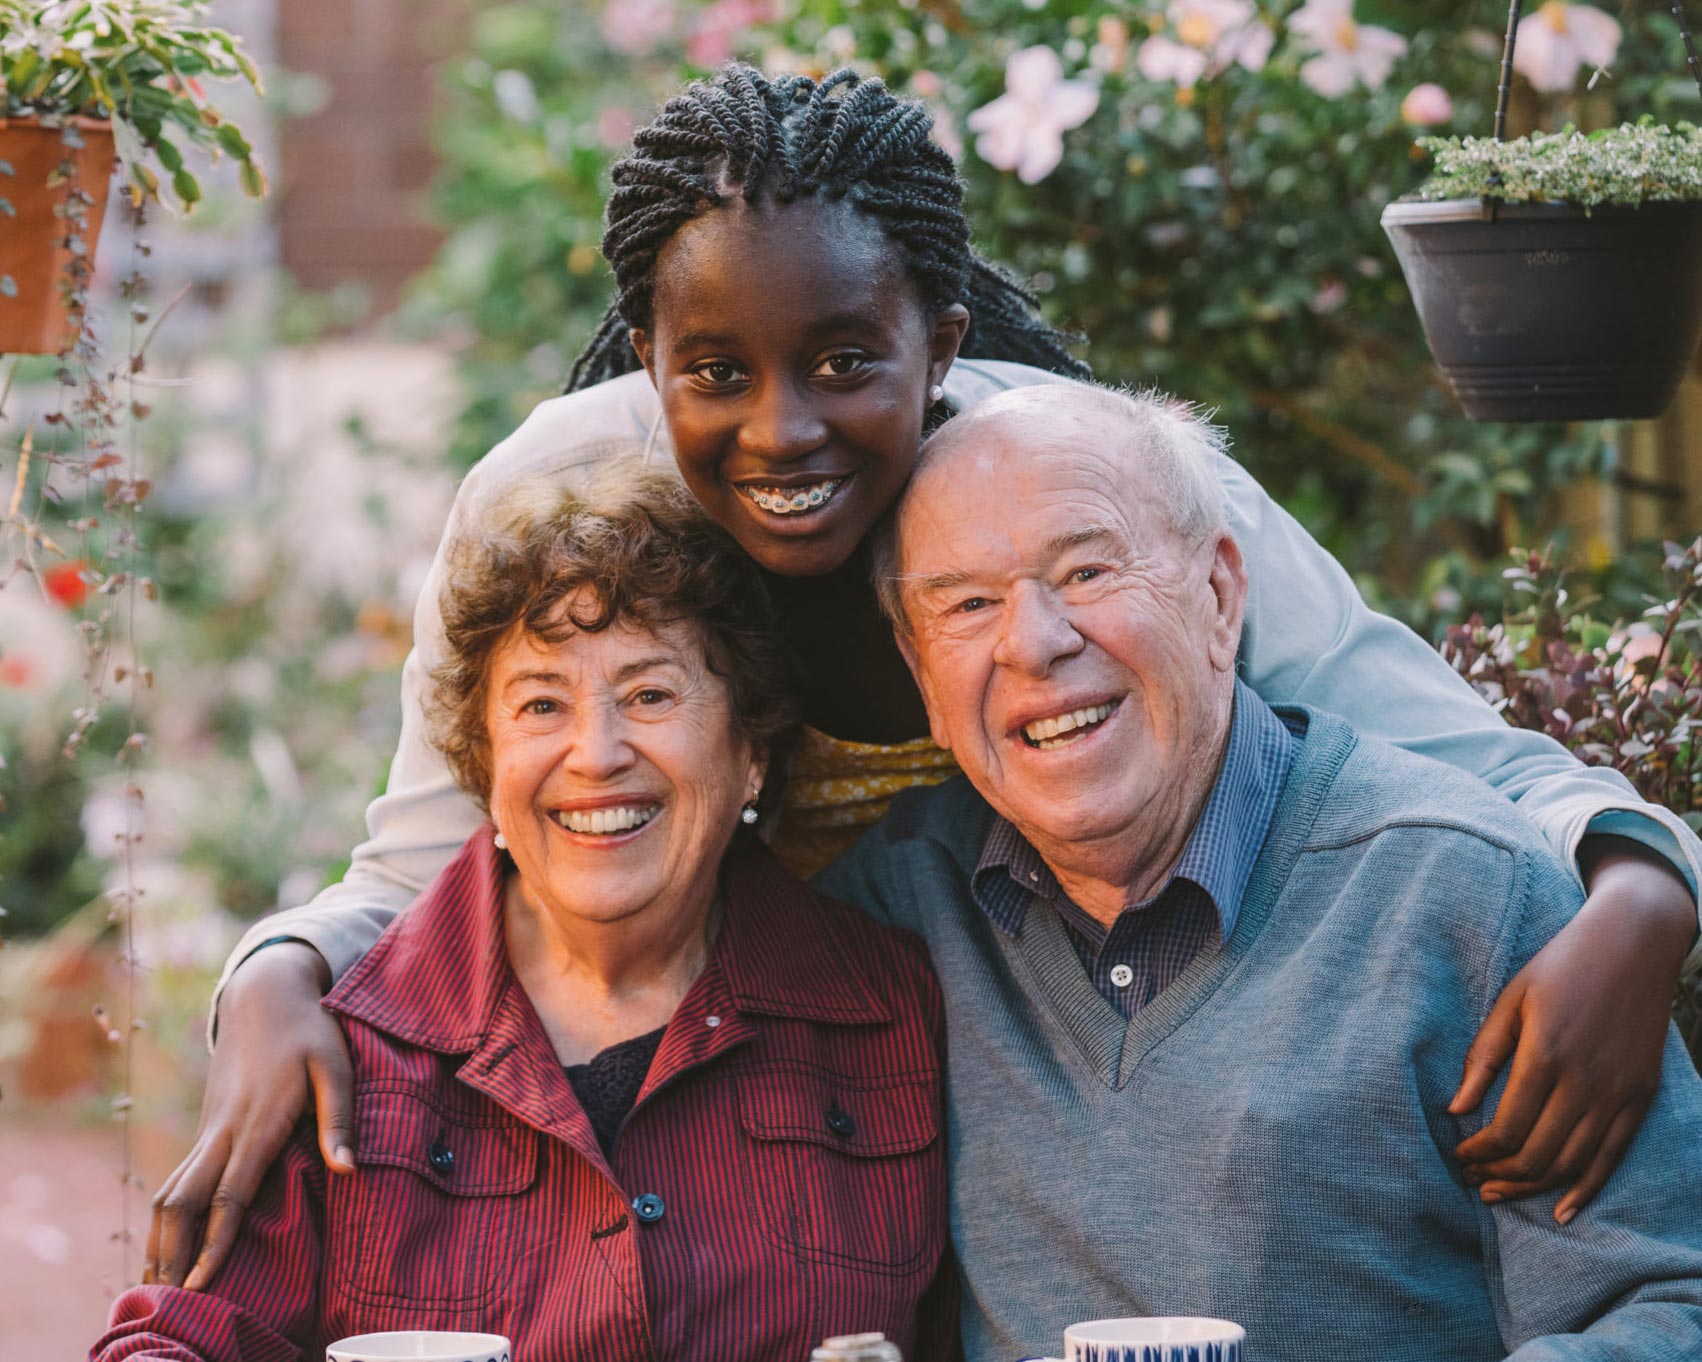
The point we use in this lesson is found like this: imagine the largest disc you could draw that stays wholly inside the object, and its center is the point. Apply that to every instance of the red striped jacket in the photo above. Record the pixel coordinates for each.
(781, 1178)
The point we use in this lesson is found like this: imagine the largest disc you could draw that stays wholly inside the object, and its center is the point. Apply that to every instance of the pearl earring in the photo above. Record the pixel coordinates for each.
(501, 842)
(749, 815)
(936, 394)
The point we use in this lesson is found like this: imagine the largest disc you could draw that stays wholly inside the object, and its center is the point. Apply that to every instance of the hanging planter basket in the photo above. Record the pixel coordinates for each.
(1548, 314)
(37, 244)
(1553, 311)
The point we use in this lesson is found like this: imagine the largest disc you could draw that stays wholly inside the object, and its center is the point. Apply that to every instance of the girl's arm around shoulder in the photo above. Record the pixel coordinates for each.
(265, 1303)
(1310, 638)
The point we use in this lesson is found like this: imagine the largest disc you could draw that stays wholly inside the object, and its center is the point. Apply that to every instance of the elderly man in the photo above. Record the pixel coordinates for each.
(1210, 968)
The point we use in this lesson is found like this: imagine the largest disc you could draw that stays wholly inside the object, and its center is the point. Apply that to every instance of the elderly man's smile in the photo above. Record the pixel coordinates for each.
(1067, 727)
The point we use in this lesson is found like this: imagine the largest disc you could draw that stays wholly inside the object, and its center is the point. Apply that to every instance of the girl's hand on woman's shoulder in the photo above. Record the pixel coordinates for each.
(275, 1042)
(1584, 1024)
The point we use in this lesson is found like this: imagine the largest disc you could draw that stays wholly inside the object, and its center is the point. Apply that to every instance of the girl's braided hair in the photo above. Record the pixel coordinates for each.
(844, 137)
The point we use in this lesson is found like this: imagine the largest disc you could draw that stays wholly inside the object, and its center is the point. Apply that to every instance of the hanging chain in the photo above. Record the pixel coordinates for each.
(1504, 93)
(1689, 46)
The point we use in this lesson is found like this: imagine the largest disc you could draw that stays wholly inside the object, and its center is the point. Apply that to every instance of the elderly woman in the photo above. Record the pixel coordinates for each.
(626, 1087)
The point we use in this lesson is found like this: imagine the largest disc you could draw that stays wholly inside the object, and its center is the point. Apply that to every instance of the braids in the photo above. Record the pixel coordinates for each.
(844, 137)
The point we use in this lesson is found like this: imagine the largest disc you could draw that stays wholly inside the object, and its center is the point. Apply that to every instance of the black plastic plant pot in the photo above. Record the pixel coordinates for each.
(1549, 314)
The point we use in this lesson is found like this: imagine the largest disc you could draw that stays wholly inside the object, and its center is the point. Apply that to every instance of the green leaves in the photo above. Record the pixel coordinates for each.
(143, 63)
(1639, 162)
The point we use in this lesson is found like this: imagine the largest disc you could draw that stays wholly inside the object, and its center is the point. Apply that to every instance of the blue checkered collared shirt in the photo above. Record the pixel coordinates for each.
(1155, 940)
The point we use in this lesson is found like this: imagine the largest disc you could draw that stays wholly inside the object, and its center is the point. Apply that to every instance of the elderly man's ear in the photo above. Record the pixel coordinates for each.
(1229, 590)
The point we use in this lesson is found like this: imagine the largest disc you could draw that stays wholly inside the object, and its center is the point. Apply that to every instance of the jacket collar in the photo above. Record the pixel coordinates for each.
(439, 973)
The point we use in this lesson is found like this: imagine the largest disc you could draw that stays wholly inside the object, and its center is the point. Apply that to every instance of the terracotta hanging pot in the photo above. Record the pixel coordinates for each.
(1547, 313)
(34, 252)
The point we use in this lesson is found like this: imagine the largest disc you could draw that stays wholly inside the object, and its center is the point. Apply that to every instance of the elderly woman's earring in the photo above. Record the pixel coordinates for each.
(936, 394)
(501, 842)
(748, 814)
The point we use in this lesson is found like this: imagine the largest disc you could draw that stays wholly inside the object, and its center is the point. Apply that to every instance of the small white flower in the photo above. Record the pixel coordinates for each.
(515, 97)
(1559, 38)
(1023, 129)
(1347, 51)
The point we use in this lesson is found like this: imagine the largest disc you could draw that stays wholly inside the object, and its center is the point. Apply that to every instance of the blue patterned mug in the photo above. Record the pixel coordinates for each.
(1155, 1339)
(421, 1345)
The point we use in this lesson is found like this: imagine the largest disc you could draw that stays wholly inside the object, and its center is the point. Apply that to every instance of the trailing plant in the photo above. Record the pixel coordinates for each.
(1623, 695)
(1642, 162)
(140, 63)
(76, 489)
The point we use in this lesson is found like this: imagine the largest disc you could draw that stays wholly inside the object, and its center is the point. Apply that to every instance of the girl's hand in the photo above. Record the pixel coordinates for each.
(275, 1042)
(1584, 1023)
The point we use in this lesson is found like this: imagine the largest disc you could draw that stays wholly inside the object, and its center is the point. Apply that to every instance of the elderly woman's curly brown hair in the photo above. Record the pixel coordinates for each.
(635, 548)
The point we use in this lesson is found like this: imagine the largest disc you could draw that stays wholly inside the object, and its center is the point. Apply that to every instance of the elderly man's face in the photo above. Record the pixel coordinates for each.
(1076, 657)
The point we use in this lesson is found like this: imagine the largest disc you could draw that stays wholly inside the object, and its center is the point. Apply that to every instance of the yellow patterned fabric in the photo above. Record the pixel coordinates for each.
(837, 790)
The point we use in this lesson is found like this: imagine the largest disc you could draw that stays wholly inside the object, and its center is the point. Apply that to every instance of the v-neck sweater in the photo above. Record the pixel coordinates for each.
(1267, 1141)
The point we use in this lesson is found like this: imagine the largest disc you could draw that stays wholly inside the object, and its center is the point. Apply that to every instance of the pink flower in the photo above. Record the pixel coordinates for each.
(1023, 129)
(945, 131)
(1427, 105)
(1331, 297)
(615, 126)
(930, 87)
(633, 27)
(1558, 39)
(1210, 37)
(1347, 51)
(720, 26)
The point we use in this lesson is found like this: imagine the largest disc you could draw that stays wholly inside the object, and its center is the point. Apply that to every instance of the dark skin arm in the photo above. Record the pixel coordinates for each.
(276, 1046)
(1584, 1024)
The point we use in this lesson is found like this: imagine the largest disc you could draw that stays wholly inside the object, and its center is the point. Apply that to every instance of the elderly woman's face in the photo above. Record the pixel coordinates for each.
(617, 775)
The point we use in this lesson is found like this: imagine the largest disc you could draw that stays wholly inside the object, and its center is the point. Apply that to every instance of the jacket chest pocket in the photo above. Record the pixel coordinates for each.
(846, 1171)
(433, 1208)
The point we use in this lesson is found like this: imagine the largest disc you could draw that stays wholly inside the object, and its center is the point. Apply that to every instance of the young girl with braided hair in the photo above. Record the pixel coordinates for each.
(797, 303)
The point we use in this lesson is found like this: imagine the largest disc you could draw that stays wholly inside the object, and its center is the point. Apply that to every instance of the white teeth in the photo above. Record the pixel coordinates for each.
(622, 818)
(1042, 731)
(790, 501)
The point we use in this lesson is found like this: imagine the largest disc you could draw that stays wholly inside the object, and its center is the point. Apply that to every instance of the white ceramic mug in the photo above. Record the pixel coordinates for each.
(1155, 1339)
(420, 1345)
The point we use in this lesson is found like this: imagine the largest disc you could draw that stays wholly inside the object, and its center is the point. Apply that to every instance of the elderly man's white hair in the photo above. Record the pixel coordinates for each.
(1169, 449)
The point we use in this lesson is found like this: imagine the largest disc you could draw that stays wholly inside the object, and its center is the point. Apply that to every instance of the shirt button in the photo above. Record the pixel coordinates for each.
(441, 1157)
(648, 1208)
(1122, 976)
(840, 1123)
(712, 1022)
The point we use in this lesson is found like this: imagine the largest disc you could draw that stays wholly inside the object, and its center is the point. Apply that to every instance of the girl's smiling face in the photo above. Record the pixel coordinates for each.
(793, 359)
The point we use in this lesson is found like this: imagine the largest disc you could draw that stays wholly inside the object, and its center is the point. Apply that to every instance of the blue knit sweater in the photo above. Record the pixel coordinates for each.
(1268, 1141)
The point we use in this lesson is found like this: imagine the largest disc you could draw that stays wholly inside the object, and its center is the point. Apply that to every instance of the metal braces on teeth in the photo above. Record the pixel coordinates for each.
(781, 503)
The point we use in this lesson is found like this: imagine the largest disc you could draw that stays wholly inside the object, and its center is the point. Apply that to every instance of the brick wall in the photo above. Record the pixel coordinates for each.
(351, 179)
